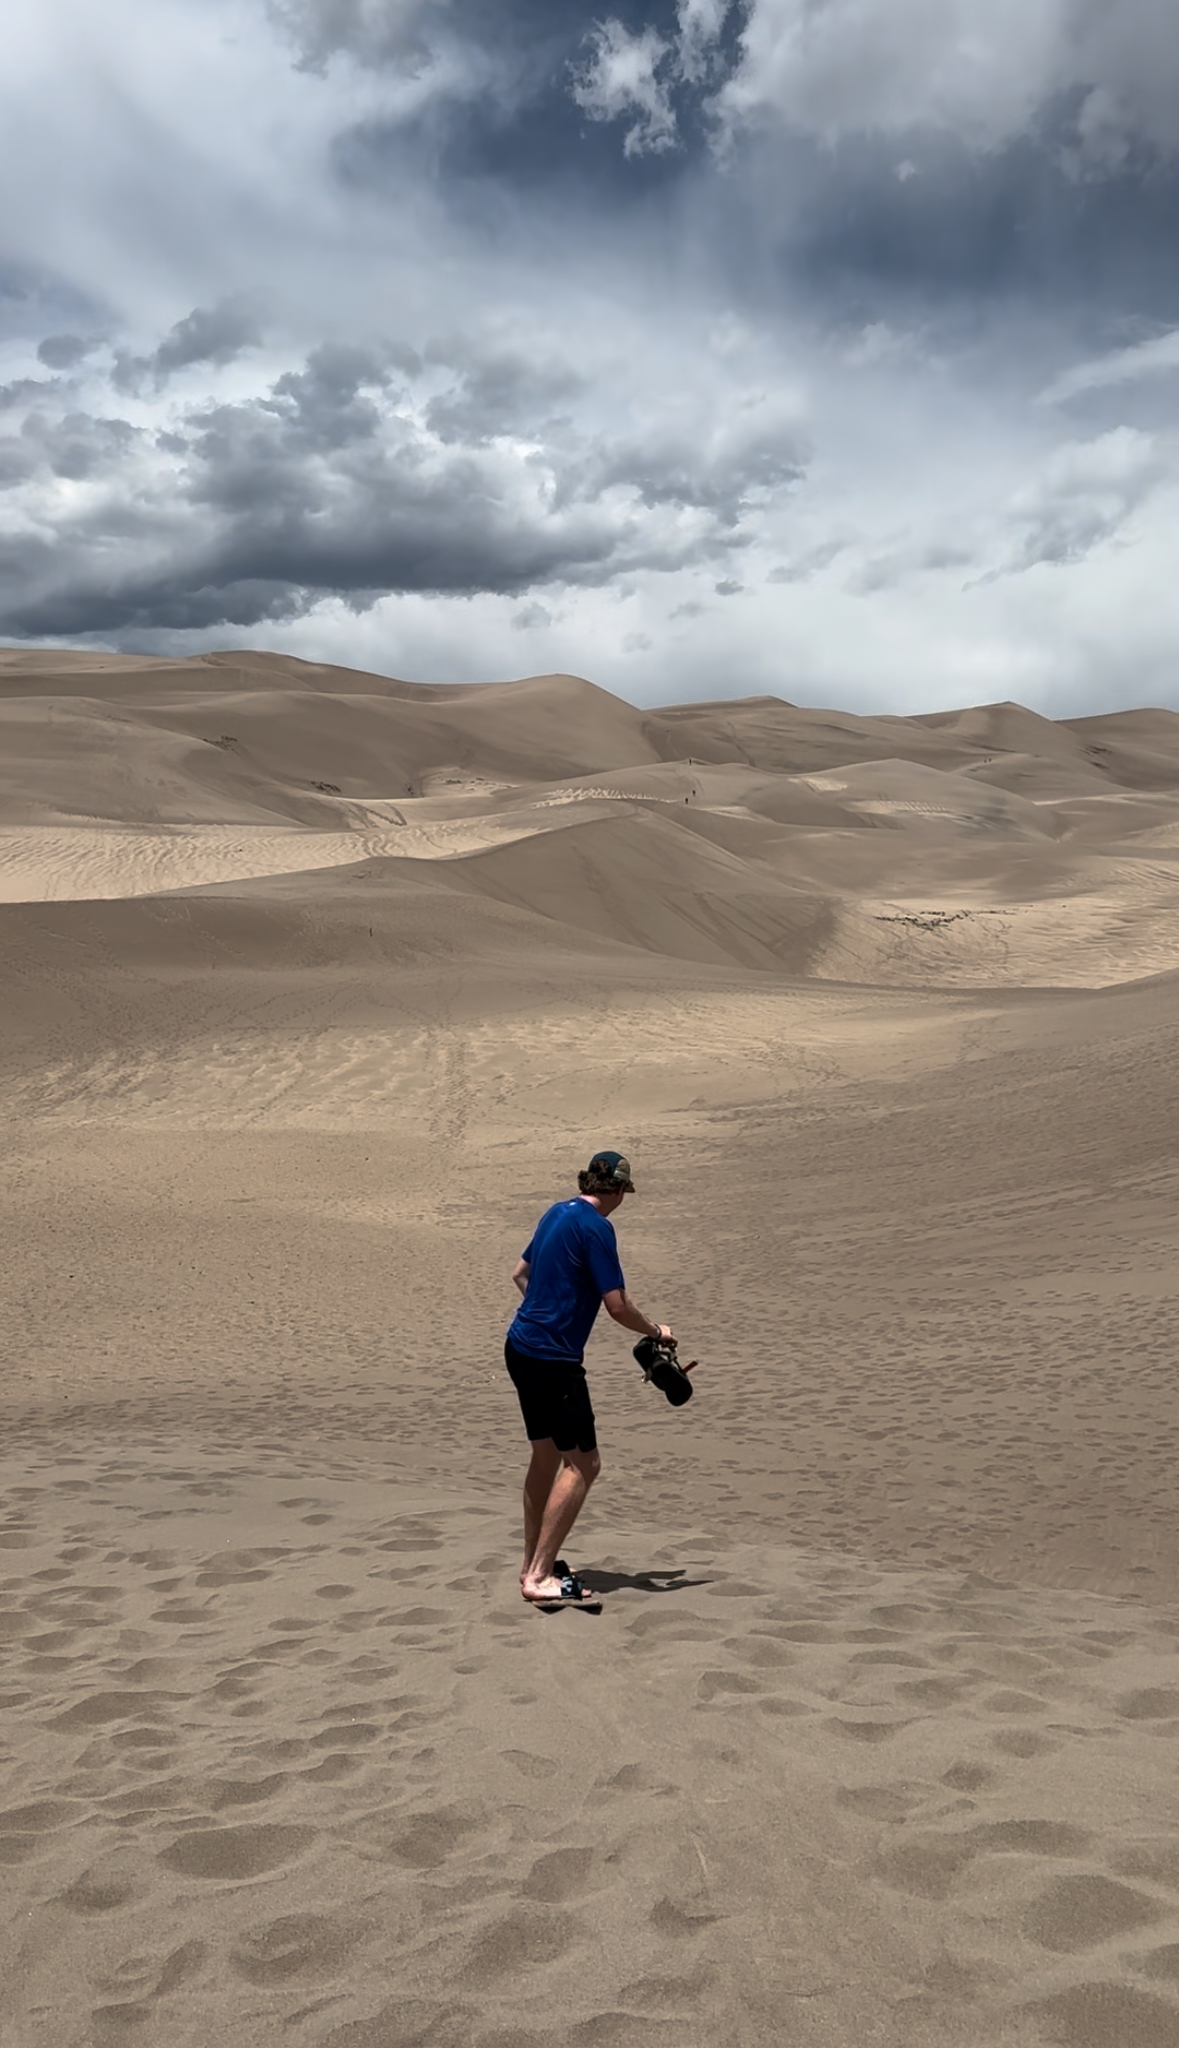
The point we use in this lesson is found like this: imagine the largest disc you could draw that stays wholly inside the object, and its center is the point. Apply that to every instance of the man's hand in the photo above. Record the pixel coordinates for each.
(666, 1336)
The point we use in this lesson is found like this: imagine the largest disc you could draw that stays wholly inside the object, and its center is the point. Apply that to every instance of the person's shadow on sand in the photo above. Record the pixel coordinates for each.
(653, 1581)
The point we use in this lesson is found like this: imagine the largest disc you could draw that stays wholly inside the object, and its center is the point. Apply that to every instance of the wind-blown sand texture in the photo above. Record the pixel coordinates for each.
(317, 988)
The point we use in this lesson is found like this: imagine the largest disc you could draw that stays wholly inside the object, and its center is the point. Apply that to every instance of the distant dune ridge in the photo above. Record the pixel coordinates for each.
(959, 849)
(317, 988)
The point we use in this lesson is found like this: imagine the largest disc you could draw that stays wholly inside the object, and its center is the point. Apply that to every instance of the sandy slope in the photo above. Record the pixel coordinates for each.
(317, 987)
(319, 1776)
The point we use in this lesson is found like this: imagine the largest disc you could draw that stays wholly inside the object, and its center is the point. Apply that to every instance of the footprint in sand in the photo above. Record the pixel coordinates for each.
(563, 1874)
(866, 1731)
(332, 1768)
(119, 1878)
(763, 1652)
(1153, 1703)
(725, 1684)
(426, 1839)
(230, 1792)
(147, 1976)
(346, 1735)
(101, 1707)
(878, 1802)
(967, 1777)
(1023, 1743)
(928, 1865)
(39, 1816)
(530, 1766)
(521, 1941)
(902, 1658)
(677, 1923)
(234, 1853)
(1160, 1963)
(663, 1993)
(1156, 1860)
(298, 1946)
(1098, 2015)
(1077, 1912)
(151, 1981)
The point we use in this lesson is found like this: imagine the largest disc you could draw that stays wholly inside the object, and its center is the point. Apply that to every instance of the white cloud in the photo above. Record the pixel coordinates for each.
(981, 70)
(700, 23)
(888, 67)
(878, 342)
(374, 32)
(633, 77)
(1158, 357)
(1064, 639)
(1082, 499)
(620, 81)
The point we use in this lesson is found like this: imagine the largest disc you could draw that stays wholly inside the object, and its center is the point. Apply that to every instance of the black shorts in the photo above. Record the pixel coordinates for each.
(554, 1400)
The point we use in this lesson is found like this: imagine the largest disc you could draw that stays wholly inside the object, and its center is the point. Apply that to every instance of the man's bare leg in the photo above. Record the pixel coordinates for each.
(538, 1484)
(565, 1502)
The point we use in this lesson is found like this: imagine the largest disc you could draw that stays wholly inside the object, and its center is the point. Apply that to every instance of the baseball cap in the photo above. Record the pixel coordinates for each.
(613, 1170)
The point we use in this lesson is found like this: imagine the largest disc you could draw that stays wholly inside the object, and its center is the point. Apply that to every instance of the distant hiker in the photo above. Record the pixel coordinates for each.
(565, 1274)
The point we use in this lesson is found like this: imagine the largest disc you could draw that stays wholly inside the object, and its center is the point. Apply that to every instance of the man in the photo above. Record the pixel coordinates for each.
(567, 1272)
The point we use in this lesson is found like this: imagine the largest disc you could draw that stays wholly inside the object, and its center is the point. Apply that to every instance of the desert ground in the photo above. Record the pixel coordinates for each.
(318, 988)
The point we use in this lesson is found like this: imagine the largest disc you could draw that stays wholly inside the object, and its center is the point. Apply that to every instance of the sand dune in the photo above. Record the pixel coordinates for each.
(778, 838)
(318, 986)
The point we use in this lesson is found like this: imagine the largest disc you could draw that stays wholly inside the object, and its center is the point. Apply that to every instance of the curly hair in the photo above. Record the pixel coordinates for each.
(595, 1183)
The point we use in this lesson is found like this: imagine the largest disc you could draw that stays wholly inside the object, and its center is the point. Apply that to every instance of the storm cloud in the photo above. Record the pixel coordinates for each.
(703, 346)
(344, 478)
(212, 334)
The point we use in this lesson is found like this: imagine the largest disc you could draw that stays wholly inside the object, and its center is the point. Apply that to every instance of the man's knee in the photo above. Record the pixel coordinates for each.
(587, 1463)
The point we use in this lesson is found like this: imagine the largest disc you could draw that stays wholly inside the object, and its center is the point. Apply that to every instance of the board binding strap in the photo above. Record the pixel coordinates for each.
(663, 1369)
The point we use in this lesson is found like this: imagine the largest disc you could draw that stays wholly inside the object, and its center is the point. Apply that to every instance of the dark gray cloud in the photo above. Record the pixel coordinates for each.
(24, 392)
(209, 334)
(875, 150)
(339, 481)
(508, 111)
(719, 472)
(64, 351)
(398, 33)
(506, 394)
(78, 446)
(529, 43)
(36, 300)
(474, 60)
(867, 155)
(958, 234)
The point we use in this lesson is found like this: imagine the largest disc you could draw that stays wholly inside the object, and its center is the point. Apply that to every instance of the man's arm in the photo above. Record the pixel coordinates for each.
(619, 1305)
(522, 1275)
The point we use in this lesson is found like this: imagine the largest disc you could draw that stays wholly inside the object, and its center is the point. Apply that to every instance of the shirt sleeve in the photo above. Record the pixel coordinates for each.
(601, 1253)
(526, 1254)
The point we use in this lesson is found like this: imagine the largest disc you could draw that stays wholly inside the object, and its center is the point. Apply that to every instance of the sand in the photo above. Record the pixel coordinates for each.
(317, 988)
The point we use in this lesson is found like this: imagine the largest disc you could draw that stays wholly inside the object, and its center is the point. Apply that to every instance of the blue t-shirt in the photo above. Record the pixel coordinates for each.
(574, 1261)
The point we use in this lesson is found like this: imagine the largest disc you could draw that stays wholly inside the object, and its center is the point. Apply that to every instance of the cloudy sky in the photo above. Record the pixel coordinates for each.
(821, 347)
